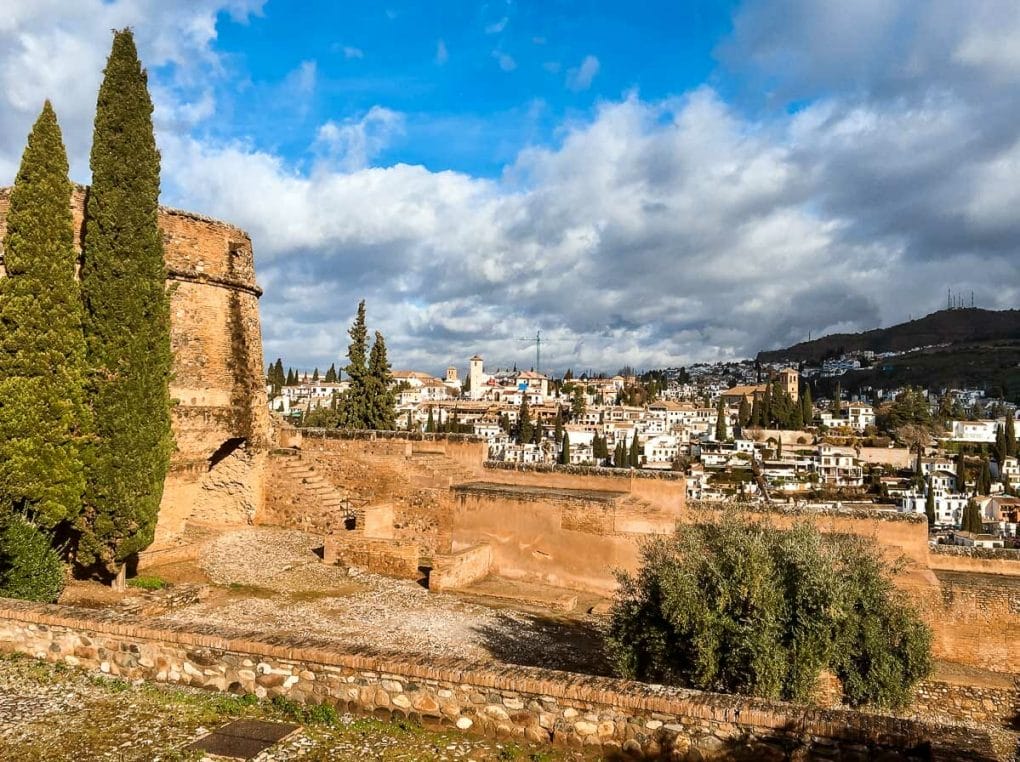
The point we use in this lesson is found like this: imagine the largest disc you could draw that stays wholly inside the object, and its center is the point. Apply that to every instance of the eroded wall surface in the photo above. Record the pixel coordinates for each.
(220, 415)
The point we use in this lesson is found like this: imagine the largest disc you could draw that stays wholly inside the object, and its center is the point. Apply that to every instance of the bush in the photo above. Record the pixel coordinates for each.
(29, 566)
(147, 583)
(739, 606)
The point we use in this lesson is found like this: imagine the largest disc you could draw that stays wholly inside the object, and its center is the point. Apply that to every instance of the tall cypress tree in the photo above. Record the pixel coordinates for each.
(929, 503)
(720, 421)
(807, 412)
(744, 413)
(524, 427)
(635, 453)
(44, 418)
(961, 473)
(1011, 446)
(127, 319)
(354, 403)
(380, 398)
(331, 374)
(565, 450)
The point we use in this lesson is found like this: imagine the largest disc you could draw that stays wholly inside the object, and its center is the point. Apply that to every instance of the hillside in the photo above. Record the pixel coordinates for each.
(959, 326)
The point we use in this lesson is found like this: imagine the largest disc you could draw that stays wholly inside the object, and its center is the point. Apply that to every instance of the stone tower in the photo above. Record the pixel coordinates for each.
(220, 415)
(789, 379)
(477, 377)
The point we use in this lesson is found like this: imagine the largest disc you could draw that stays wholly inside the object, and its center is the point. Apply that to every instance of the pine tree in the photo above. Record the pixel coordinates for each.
(44, 418)
(331, 374)
(127, 320)
(720, 421)
(565, 450)
(524, 430)
(381, 399)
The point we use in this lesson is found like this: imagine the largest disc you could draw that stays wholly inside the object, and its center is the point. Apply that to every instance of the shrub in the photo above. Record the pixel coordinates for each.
(739, 606)
(147, 583)
(30, 568)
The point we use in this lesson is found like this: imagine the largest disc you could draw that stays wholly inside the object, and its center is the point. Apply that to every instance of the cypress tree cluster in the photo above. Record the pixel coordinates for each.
(85, 436)
(369, 402)
(44, 418)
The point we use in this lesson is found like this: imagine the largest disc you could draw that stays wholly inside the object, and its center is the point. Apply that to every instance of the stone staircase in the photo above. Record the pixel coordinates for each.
(440, 469)
(332, 508)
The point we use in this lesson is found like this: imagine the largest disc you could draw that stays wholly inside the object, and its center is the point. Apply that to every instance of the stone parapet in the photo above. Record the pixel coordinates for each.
(542, 706)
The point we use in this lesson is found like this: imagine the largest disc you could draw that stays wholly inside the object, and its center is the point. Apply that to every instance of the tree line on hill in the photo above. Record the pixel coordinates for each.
(85, 357)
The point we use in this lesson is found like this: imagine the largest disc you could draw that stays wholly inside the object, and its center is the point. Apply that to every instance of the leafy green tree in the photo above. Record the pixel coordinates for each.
(127, 321)
(720, 421)
(741, 606)
(577, 404)
(524, 426)
(381, 399)
(910, 408)
(565, 450)
(44, 418)
(30, 567)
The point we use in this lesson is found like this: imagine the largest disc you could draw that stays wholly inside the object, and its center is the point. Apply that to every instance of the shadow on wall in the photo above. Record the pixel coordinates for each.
(549, 642)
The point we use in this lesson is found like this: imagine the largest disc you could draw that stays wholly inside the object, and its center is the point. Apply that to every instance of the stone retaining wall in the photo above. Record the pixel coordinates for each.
(983, 560)
(393, 558)
(461, 568)
(507, 702)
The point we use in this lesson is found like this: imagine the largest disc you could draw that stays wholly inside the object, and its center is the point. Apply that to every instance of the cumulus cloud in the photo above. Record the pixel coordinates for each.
(580, 78)
(353, 143)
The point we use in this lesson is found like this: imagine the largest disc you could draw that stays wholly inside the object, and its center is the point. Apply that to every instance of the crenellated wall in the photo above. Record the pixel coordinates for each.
(220, 415)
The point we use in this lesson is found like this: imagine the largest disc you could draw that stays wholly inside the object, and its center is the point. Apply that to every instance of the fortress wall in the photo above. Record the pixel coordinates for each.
(977, 560)
(220, 418)
(541, 706)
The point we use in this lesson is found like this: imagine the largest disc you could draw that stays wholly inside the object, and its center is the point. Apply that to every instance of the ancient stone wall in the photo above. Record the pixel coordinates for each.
(220, 415)
(393, 558)
(458, 570)
(980, 560)
(542, 706)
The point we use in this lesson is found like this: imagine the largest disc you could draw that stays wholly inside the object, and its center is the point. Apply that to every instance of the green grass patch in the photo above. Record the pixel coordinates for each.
(148, 583)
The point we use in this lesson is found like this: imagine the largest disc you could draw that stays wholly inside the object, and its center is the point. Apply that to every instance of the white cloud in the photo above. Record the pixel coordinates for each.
(352, 52)
(581, 77)
(505, 61)
(498, 26)
(442, 55)
(352, 144)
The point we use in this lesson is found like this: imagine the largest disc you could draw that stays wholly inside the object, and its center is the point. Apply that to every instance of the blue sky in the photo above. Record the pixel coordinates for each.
(647, 183)
(476, 82)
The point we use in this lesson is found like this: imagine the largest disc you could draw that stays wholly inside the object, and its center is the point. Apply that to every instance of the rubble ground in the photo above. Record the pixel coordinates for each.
(53, 713)
(296, 593)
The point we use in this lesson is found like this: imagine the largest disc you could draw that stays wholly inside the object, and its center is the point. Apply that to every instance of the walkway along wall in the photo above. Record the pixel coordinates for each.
(538, 705)
(220, 414)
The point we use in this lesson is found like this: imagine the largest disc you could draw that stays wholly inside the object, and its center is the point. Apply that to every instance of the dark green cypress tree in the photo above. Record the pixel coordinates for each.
(720, 421)
(620, 455)
(354, 404)
(757, 419)
(837, 399)
(961, 473)
(291, 377)
(744, 413)
(929, 503)
(558, 430)
(807, 412)
(986, 478)
(1011, 446)
(44, 419)
(1000, 444)
(430, 424)
(279, 378)
(127, 320)
(635, 453)
(381, 401)
(536, 437)
(524, 429)
(331, 374)
(315, 376)
(565, 450)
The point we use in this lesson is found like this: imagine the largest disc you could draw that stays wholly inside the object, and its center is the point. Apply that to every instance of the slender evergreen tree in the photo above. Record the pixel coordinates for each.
(971, 521)
(961, 473)
(929, 503)
(744, 413)
(315, 376)
(558, 430)
(620, 455)
(430, 424)
(565, 450)
(331, 374)
(1000, 444)
(524, 426)
(986, 478)
(127, 320)
(44, 419)
(635, 453)
(720, 421)
(1010, 432)
(807, 411)
(354, 404)
(381, 399)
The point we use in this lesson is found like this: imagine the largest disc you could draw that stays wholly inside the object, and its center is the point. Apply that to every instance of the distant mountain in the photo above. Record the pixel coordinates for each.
(958, 326)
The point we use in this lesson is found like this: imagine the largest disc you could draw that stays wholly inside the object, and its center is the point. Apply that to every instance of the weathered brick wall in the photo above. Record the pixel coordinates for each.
(217, 385)
(460, 569)
(542, 706)
(394, 558)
